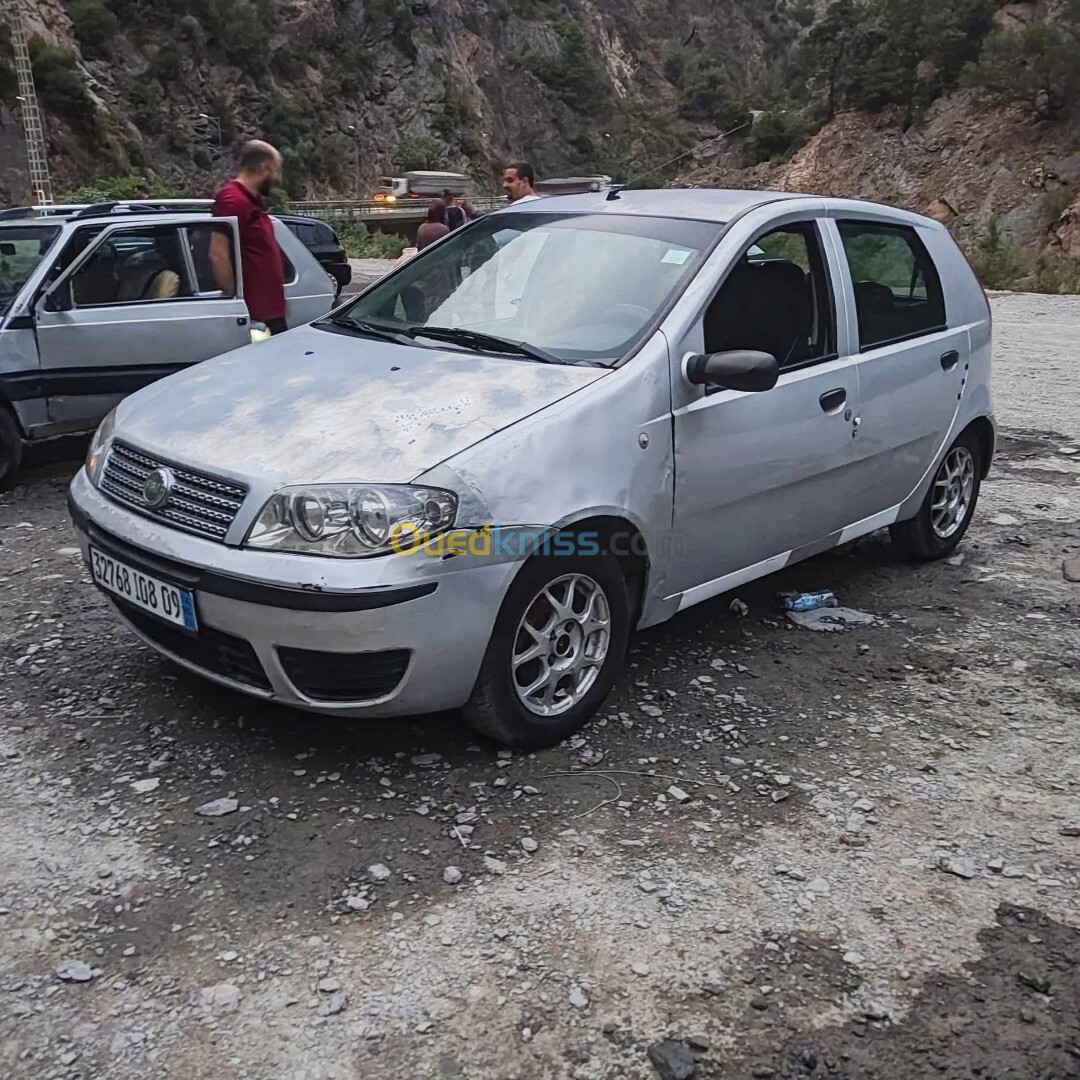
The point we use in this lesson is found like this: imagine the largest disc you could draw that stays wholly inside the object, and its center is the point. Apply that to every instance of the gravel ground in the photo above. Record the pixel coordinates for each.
(776, 852)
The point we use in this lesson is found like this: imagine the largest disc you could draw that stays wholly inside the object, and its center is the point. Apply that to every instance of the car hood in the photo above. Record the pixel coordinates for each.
(318, 406)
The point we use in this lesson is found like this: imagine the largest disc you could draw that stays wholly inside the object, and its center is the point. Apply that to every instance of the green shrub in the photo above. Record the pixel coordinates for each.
(775, 133)
(360, 242)
(118, 187)
(94, 25)
(1035, 66)
(1057, 274)
(422, 153)
(994, 260)
(60, 84)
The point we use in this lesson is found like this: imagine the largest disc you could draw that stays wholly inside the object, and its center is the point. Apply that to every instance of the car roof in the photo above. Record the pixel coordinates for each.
(703, 204)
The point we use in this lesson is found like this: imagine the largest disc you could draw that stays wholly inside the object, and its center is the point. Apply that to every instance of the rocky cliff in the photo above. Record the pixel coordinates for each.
(1007, 186)
(354, 88)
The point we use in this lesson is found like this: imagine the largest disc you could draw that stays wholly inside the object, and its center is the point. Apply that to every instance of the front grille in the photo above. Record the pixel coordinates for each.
(197, 503)
(212, 650)
(331, 676)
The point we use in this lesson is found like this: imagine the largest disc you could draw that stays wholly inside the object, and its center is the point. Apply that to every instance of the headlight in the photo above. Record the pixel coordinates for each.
(352, 520)
(99, 447)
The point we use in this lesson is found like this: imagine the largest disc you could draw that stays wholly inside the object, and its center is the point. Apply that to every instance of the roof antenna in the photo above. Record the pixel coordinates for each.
(613, 192)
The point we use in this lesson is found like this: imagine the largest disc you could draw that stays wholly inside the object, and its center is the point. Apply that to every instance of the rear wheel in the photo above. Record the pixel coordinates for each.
(557, 647)
(11, 448)
(946, 511)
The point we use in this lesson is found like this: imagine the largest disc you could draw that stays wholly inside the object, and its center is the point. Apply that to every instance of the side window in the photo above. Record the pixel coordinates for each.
(288, 269)
(134, 266)
(325, 235)
(197, 238)
(776, 299)
(897, 289)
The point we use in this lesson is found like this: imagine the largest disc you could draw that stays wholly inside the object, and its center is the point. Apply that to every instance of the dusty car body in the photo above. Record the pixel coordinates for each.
(99, 301)
(595, 412)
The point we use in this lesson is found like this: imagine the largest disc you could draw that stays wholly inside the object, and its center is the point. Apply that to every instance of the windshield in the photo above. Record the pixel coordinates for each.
(581, 288)
(21, 249)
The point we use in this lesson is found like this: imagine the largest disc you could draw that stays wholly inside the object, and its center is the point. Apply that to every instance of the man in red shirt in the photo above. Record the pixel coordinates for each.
(260, 257)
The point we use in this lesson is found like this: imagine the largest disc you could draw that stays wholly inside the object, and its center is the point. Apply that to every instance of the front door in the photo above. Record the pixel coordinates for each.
(138, 304)
(758, 476)
(911, 365)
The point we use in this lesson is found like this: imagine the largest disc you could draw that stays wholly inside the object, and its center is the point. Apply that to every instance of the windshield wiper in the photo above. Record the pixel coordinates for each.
(358, 326)
(475, 339)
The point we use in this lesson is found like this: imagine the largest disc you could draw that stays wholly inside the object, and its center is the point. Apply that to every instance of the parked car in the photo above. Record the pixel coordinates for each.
(321, 240)
(466, 488)
(98, 301)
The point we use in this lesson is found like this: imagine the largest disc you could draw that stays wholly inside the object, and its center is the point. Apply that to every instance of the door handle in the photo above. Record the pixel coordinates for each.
(833, 401)
(950, 359)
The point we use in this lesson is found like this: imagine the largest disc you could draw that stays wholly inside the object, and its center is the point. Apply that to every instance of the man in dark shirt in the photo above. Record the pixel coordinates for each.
(260, 257)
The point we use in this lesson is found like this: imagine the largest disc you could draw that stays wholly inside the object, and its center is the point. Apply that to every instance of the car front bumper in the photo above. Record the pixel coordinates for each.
(413, 628)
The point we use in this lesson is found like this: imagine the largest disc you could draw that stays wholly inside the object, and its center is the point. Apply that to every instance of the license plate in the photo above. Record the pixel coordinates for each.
(166, 601)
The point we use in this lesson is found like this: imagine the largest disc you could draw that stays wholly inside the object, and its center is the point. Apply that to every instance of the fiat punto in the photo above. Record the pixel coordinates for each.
(468, 486)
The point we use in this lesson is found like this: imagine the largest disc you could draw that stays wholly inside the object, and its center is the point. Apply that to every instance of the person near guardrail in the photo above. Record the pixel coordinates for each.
(435, 228)
(456, 215)
(244, 198)
(518, 181)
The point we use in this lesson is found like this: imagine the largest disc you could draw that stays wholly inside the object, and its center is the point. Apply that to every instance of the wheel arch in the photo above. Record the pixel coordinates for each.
(983, 430)
(622, 539)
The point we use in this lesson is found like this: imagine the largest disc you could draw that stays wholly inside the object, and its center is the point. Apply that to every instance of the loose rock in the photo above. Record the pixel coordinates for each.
(578, 998)
(379, 871)
(451, 875)
(218, 808)
(221, 998)
(672, 1060)
(959, 865)
(74, 971)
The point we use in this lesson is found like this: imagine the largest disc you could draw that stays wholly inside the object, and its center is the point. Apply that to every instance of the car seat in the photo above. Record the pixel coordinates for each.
(762, 306)
(876, 310)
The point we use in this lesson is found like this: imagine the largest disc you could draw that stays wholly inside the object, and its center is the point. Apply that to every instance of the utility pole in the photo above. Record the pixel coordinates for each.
(31, 114)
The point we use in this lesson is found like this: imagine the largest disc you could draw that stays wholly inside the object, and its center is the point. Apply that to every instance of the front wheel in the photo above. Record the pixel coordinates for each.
(557, 647)
(947, 510)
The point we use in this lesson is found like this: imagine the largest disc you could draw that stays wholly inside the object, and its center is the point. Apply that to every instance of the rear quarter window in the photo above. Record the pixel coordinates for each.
(897, 288)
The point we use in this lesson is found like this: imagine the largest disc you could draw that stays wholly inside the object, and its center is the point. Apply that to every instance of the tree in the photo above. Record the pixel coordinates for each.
(825, 60)
(1035, 66)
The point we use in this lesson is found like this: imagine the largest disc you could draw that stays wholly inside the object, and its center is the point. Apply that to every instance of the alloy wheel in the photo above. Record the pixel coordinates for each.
(953, 489)
(561, 644)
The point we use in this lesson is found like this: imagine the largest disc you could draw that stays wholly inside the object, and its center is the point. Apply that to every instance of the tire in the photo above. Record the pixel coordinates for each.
(496, 707)
(11, 448)
(923, 538)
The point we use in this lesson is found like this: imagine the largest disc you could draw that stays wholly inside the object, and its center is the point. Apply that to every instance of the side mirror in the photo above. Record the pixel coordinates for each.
(739, 369)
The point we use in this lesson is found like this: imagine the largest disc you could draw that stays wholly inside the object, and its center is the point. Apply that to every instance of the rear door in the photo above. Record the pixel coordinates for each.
(910, 363)
(310, 291)
(139, 303)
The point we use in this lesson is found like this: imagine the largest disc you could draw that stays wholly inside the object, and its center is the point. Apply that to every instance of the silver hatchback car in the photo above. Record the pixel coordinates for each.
(98, 301)
(467, 487)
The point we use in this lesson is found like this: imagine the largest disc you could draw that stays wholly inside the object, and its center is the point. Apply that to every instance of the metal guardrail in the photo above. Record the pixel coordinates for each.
(368, 209)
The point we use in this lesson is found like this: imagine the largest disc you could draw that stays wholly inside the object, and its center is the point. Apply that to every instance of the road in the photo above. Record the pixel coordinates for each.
(789, 854)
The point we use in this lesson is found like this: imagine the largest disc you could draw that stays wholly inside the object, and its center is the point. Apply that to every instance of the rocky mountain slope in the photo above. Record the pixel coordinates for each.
(353, 88)
(1008, 188)
(958, 108)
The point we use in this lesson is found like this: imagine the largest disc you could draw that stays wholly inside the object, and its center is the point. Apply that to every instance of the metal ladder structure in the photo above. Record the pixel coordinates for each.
(36, 157)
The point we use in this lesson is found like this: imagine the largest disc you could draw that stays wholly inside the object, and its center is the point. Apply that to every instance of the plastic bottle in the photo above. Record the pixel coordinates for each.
(810, 601)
